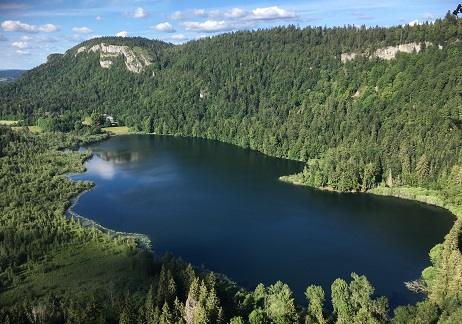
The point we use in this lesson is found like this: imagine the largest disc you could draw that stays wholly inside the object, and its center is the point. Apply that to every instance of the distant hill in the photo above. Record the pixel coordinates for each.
(11, 73)
(8, 76)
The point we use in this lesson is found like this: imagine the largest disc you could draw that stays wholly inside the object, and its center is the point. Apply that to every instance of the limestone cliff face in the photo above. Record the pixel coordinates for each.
(387, 53)
(135, 62)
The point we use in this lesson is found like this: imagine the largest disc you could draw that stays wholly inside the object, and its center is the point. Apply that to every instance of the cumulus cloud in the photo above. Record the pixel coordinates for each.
(199, 13)
(188, 14)
(209, 26)
(235, 18)
(178, 15)
(268, 13)
(179, 37)
(17, 26)
(20, 44)
(413, 23)
(99, 18)
(428, 16)
(165, 27)
(82, 30)
(272, 13)
(48, 28)
(122, 34)
(139, 13)
(235, 13)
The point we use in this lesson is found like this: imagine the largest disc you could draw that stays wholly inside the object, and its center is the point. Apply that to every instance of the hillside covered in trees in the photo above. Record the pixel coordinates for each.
(287, 92)
(284, 91)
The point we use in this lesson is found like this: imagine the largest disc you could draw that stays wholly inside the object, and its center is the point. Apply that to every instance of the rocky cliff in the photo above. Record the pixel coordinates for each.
(387, 53)
(134, 61)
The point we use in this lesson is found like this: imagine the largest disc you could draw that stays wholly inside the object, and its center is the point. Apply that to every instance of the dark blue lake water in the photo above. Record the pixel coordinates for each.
(221, 206)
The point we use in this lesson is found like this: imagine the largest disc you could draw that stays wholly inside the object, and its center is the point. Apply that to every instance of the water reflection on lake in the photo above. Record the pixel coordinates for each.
(218, 205)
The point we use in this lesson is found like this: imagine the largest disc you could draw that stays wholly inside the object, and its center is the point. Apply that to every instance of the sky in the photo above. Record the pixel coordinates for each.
(33, 29)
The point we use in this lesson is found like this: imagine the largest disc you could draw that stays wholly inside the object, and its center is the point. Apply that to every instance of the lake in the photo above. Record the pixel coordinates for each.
(221, 206)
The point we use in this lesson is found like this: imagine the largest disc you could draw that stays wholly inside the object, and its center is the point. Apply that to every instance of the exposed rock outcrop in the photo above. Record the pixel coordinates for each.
(135, 62)
(387, 53)
(190, 308)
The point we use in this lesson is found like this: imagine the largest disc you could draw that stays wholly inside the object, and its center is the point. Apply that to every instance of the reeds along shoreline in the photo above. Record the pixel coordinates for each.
(142, 240)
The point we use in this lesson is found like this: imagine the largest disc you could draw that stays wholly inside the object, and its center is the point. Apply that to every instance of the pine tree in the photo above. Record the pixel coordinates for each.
(316, 297)
(341, 301)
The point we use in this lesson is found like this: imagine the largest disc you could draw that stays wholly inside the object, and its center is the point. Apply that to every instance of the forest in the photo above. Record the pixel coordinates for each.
(360, 125)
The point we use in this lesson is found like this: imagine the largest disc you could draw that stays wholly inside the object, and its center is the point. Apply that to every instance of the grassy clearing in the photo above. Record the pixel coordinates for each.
(81, 268)
(8, 122)
(120, 130)
(87, 121)
(35, 129)
(427, 196)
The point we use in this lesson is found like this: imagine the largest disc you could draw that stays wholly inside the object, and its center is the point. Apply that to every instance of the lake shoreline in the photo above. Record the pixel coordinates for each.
(142, 240)
(426, 196)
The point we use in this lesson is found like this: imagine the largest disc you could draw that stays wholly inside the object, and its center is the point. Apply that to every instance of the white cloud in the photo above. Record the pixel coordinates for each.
(122, 34)
(139, 13)
(20, 44)
(17, 26)
(48, 28)
(215, 14)
(428, 16)
(413, 23)
(209, 26)
(23, 52)
(165, 27)
(235, 18)
(99, 18)
(235, 13)
(188, 14)
(179, 37)
(269, 13)
(82, 30)
(272, 13)
(199, 13)
(178, 15)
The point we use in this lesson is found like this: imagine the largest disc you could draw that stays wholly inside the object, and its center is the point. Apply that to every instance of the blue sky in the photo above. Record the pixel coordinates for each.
(33, 29)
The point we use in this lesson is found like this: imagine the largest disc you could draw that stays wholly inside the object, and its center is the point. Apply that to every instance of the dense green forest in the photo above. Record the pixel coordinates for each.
(283, 91)
(358, 124)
